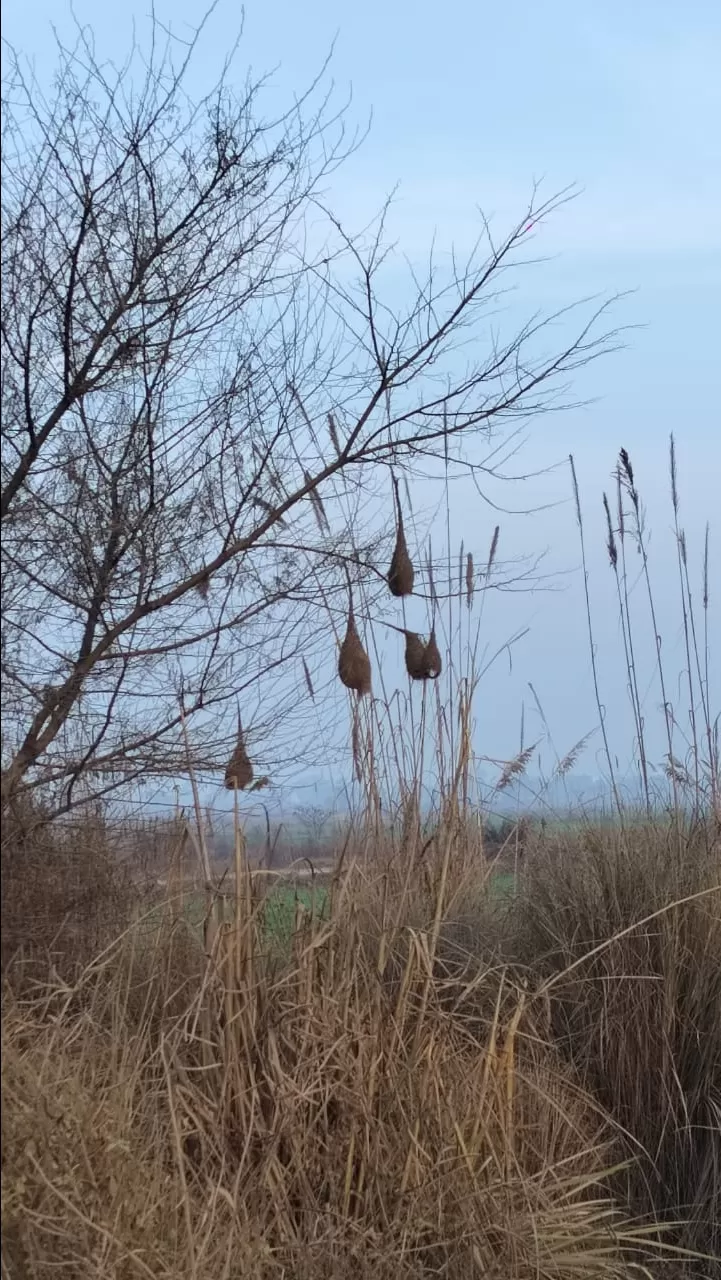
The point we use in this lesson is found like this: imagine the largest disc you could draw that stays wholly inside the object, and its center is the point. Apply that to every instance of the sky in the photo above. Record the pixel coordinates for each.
(471, 103)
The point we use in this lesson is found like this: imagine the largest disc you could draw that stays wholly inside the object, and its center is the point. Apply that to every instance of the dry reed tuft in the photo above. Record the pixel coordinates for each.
(516, 767)
(307, 678)
(354, 667)
(333, 433)
(470, 580)
(68, 885)
(629, 940)
(316, 501)
(400, 574)
(239, 773)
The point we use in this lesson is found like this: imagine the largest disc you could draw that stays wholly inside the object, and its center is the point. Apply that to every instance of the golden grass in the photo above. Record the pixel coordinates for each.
(364, 1107)
(636, 999)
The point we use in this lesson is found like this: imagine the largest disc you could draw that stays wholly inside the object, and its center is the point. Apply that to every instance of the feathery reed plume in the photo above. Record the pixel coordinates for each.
(239, 773)
(354, 667)
(469, 579)
(356, 746)
(631, 487)
(493, 550)
(566, 764)
(308, 681)
(400, 573)
(333, 433)
(431, 578)
(674, 475)
(676, 771)
(317, 505)
(626, 464)
(610, 540)
(516, 767)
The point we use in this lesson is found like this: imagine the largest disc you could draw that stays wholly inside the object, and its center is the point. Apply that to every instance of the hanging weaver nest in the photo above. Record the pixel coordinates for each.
(354, 667)
(434, 666)
(239, 773)
(400, 573)
(415, 656)
(423, 660)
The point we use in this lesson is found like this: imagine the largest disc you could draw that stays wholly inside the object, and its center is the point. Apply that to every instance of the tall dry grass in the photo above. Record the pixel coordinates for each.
(355, 1108)
(627, 942)
(428, 1079)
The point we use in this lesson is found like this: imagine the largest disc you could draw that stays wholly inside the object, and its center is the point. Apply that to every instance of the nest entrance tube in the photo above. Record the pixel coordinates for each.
(354, 667)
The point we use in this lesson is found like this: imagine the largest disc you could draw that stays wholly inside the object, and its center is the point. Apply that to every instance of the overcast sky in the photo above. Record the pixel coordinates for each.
(471, 102)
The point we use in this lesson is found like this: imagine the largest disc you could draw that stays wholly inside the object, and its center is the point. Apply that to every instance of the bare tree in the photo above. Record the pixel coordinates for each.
(200, 381)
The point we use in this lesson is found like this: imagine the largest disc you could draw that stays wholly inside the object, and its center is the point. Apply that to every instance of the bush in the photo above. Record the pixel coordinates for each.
(65, 893)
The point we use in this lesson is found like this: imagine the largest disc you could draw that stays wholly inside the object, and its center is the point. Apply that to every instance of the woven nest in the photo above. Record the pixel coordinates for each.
(415, 656)
(423, 660)
(354, 667)
(433, 662)
(239, 773)
(400, 574)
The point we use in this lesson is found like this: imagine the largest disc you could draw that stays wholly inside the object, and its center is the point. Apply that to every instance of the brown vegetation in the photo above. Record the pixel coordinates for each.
(380, 1097)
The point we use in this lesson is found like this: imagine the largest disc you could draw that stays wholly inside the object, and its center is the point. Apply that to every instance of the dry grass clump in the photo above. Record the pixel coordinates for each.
(65, 890)
(640, 1017)
(314, 1120)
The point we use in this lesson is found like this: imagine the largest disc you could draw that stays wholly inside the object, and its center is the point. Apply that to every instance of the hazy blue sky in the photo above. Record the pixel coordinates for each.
(471, 103)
